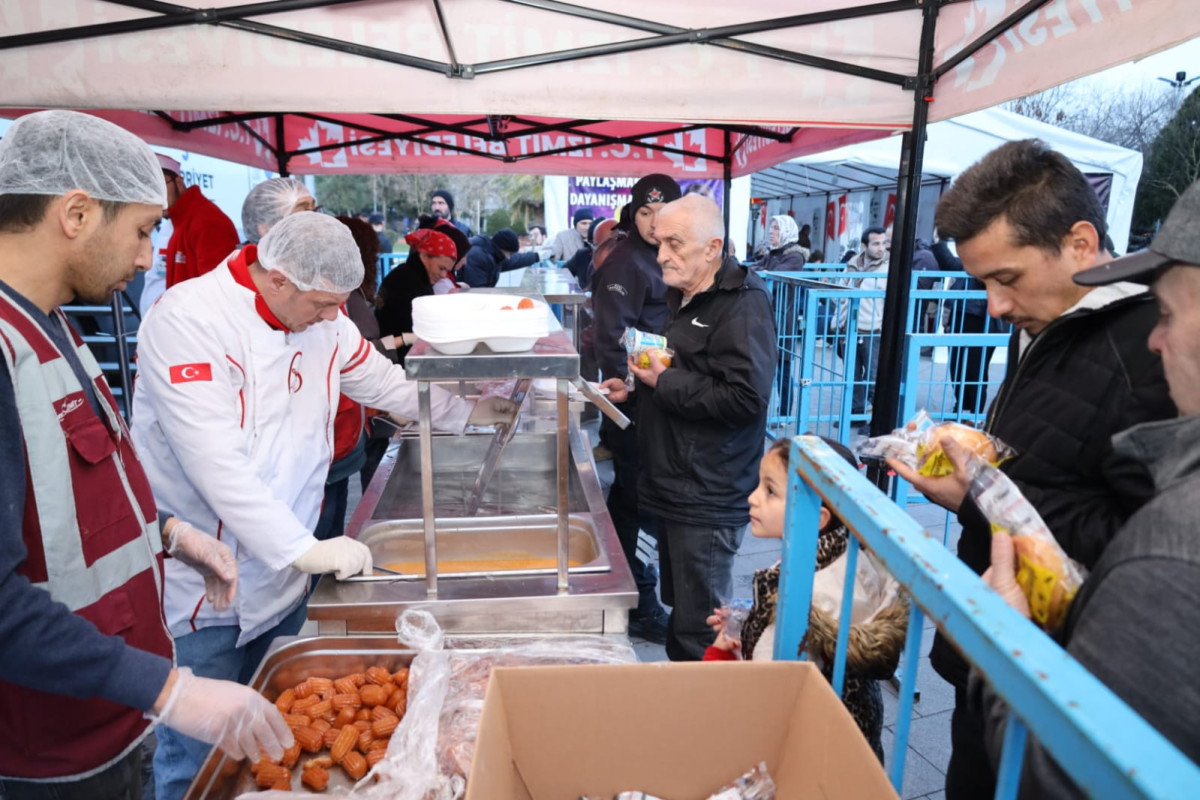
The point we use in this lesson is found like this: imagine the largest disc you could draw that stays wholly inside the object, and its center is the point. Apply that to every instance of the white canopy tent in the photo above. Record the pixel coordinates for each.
(867, 172)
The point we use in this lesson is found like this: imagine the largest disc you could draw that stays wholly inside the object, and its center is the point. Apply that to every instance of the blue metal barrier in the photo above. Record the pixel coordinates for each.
(947, 353)
(1105, 747)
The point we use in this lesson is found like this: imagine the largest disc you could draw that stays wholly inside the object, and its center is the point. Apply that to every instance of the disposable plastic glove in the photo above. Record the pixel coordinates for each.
(492, 411)
(235, 718)
(210, 557)
(341, 556)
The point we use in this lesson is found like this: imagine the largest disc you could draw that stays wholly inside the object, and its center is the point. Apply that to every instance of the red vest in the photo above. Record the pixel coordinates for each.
(91, 529)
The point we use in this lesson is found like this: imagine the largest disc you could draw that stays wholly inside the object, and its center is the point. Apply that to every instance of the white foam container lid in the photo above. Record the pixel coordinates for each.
(456, 323)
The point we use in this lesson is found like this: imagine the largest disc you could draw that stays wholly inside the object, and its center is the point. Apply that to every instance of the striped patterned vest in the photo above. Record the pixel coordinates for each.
(91, 531)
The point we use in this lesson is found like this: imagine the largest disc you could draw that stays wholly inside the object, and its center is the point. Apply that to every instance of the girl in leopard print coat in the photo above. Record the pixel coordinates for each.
(874, 647)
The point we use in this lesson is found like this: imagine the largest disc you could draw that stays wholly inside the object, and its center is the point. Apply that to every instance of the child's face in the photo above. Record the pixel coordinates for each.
(769, 500)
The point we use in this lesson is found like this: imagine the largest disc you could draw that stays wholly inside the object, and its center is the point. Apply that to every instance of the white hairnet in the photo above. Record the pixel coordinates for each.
(315, 251)
(55, 152)
(269, 202)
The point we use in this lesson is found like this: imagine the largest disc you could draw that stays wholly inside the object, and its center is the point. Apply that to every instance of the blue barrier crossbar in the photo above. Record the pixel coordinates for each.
(1106, 748)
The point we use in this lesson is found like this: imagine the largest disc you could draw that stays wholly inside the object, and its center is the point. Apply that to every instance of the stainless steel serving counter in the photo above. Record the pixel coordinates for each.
(601, 589)
(540, 554)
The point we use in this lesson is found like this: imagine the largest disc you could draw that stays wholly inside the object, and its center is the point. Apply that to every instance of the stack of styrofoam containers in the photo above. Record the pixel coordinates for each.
(456, 323)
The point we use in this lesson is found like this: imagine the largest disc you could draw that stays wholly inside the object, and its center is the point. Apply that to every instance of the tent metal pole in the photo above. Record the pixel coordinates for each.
(180, 16)
(119, 336)
(728, 182)
(886, 413)
(281, 154)
(454, 65)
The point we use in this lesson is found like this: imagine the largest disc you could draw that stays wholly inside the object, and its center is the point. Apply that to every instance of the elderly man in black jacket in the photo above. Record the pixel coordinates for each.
(702, 421)
(1026, 221)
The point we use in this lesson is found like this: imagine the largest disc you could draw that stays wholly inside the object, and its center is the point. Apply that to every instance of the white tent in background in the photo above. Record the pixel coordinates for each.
(866, 173)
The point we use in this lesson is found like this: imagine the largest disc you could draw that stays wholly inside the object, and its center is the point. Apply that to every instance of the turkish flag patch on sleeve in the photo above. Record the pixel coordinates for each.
(183, 373)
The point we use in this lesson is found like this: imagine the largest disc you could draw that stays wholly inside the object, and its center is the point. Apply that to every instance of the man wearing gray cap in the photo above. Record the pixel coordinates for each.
(1133, 623)
(87, 657)
(239, 373)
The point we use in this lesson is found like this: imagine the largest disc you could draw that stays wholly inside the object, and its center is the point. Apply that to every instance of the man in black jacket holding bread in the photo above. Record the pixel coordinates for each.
(1026, 221)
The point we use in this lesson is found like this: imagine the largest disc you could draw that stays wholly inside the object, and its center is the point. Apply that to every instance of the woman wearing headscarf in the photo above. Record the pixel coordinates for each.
(784, 253)
(431, 257)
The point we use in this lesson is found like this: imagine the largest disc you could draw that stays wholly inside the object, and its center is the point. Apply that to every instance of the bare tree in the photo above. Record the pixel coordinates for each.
(1130, 117)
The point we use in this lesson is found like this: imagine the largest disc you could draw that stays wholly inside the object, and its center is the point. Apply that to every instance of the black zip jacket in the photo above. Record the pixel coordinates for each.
(1085, 378)
(701, 431)
(627, 292)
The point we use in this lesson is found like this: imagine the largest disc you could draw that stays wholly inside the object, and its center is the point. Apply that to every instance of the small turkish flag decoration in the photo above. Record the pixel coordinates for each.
(184, 373)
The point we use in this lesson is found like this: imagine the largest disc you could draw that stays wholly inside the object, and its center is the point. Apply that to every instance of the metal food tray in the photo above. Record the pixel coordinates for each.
(482, 539)
(289, 661)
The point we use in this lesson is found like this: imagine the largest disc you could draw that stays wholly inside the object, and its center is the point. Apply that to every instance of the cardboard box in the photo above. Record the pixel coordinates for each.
(676, 731)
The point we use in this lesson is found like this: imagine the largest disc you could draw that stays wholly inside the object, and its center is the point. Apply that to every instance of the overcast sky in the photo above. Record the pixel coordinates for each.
(1184, 57)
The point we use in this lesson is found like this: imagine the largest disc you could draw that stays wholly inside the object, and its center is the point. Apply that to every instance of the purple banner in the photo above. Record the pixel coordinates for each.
(605, 196)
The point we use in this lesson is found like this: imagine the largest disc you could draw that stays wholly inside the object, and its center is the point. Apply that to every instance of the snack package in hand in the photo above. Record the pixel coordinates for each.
(638, 345)
(918, 445)
(1047, 576)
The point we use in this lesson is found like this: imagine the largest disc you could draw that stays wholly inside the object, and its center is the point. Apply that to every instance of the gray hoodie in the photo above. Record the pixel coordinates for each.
(1134, 624)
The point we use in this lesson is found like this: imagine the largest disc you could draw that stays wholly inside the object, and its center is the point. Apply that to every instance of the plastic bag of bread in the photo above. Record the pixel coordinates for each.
(430, 752)
(1047, 576)
(918, 445)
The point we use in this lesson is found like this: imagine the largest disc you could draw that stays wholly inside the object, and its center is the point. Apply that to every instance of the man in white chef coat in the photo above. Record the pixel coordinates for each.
(239, 375)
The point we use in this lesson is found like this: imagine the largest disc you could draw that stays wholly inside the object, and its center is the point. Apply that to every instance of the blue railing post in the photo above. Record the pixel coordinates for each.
(801, 529)
(908, 693)
(1099, 741)
(844, 617)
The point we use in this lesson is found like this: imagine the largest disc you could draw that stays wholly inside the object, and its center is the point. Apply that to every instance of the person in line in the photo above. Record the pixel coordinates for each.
(630, 293)
(1133, 623)
(868, 322)
(1025, 221)
(201, 235)
(567, 243)
(86, 666)
(238, 374)
(804, 237)
(431, 258)
(538, 243)
(702, 420)
(441, 204)
(376, 221)
(580, 265)
(785, 253)
(487, 258)
(874, 646)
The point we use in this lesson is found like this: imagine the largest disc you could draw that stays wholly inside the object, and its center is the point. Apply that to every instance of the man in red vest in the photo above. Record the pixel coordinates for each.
(86, 666)
(202, 235)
